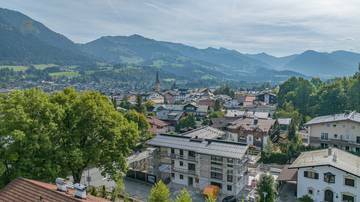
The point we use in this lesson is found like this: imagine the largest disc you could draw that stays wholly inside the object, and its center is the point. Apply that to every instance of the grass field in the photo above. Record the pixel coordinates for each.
(64, 74)
(17, 68)
(44, 66)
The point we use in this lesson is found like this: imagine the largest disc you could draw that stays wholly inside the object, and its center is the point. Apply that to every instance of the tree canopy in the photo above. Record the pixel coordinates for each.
(266, 188)
(159, 193)
(44, 136)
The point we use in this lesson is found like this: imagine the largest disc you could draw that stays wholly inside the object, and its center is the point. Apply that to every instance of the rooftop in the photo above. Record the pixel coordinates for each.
(338, 159)
(352, 116)
(22, 189)
(209, 147)
(249, 124)
(238, 113)
(204, 133)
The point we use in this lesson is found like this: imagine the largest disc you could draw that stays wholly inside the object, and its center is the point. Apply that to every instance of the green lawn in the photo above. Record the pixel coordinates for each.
(64, 74)
(44, 66)
(17, 68)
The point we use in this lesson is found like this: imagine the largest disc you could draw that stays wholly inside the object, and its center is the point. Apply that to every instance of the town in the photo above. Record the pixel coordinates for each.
(179, 101)
(225, 145)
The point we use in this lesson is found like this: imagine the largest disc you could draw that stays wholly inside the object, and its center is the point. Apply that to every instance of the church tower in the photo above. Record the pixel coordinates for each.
(157, 83)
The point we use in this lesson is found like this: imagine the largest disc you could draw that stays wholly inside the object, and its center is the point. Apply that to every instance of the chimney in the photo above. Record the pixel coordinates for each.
(334, 157)
(329, 151)
(80, 191)
(60, 184)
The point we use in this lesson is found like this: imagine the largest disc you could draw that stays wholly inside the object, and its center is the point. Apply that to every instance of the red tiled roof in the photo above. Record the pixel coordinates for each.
(157, 122)
(21, 190)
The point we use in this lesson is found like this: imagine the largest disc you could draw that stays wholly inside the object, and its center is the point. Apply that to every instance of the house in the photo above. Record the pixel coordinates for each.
(155, 97)
(251, 114)
(232, 104)
(190, 108)
(158, 126)
(249, 100)
(222, 123)
(22, 189)
(210, 102)
(170, 96)
(328, 175)
(284, 123)
(172, 117)
(255, 131)
(267, 98)
(198, 159)
(338, 130)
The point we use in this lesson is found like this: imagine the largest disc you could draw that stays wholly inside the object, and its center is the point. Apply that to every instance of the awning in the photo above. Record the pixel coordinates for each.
(211, 191)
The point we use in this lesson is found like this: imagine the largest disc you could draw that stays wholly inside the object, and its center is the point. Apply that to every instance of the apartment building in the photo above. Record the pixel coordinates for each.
(340, 131)
(197, 159)
(330, 175)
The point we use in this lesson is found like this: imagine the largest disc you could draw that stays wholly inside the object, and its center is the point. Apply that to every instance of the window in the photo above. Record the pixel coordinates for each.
(310, 191)
(334, 125)
(230, 160)
(192, 153)
(229, 175)
(335, 146)
(324, 136)
(229, 188)
(172, 150)
(191, 166)
(216, 158)
(172, 162)
(358, 139)
(230, 165)
(329, 178)
(181, 177)
(181, 163)
(357, 149)
(347, 198)
(173, 175)
(347, 148)
(335, 136)
(349, 182)
(181, 152)
(311, 174)
(215, 175)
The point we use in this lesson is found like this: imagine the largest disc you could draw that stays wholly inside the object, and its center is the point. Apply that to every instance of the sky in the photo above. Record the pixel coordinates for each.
(278, 27)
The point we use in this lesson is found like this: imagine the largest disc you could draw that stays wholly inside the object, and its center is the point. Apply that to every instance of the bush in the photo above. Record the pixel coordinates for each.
(279, 158)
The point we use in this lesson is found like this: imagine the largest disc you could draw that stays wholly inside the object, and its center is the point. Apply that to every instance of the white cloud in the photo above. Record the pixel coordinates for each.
(276, 26)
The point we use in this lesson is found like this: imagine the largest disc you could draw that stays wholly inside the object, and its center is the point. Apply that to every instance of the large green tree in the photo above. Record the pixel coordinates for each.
(91, 133)
(27, 124)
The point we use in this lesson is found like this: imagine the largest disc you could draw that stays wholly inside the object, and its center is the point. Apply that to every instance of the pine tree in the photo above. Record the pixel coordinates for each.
(159, 193)
(184, 196)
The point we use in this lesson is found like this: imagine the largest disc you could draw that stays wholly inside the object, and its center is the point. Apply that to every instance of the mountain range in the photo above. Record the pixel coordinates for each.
(26, 41)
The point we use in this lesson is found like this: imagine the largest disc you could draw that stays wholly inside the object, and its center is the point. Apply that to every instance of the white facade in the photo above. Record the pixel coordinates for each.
(230, 174)
(316, 188)
(339, 134)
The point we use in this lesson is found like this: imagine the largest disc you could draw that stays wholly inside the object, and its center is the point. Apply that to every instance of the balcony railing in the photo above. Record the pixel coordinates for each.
(183, 170)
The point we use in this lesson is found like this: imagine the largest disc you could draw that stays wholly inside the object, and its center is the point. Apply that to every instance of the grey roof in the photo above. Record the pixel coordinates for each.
(339, 159)
(239, 113)
(284, 121)
(213, 147)
(353, 116)
(205, 133)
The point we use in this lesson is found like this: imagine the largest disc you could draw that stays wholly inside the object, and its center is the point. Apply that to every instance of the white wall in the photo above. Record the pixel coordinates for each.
(319, 186)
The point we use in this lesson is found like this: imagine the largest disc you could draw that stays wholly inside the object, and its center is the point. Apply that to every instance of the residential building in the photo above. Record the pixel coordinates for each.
(198, 159)
(155, 97)
(22, 189)
(250, 114)
(267, 98)
(255, 131)
(158, 126)
(331, 175)
(338, 130)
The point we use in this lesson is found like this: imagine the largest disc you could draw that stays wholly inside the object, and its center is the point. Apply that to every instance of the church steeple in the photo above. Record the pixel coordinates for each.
(157, 83)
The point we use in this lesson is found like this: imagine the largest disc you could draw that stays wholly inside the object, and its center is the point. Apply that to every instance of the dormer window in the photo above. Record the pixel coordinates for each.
(329, 177)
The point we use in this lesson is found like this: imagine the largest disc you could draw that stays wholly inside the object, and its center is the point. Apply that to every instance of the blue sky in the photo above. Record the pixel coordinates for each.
(278, 27)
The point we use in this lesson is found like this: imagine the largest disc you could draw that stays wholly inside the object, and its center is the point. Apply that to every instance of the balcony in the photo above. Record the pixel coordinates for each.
(180, 157)
(183, 170)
